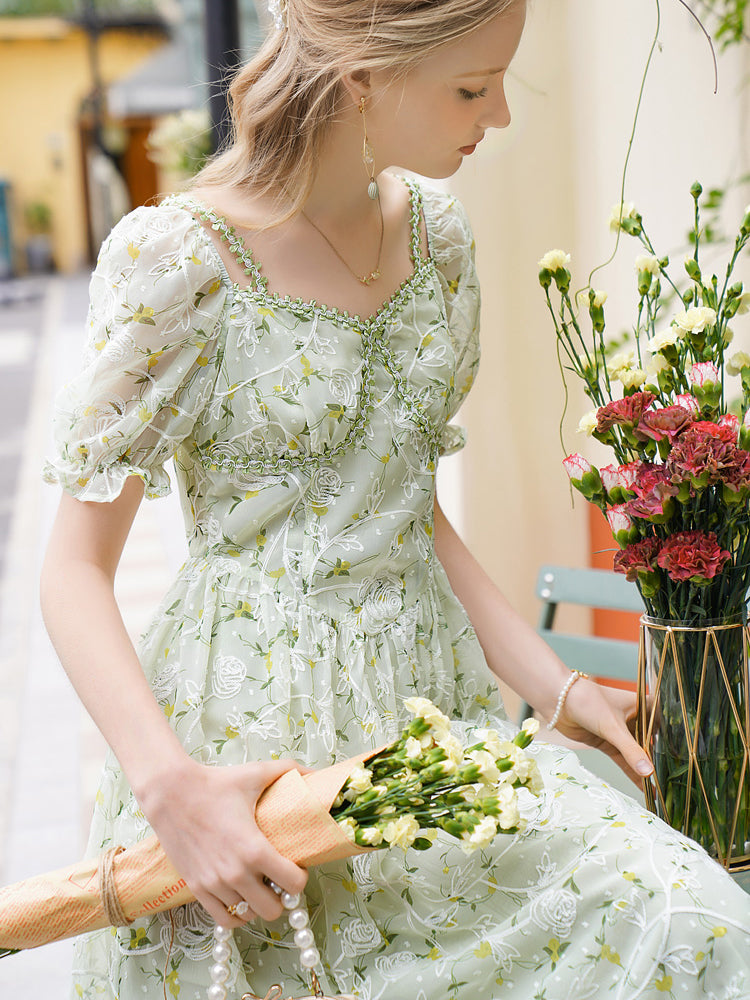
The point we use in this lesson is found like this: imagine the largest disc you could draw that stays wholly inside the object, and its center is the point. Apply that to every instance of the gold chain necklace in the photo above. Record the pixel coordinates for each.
(365, 279)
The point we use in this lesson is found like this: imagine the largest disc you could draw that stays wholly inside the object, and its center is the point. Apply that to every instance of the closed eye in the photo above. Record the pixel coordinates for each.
(472, 95)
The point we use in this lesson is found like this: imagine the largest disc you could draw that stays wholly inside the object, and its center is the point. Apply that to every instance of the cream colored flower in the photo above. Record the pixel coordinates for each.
(371, 835)
(648, 262)
(481, 836)
(553, 260)
(633, 378)
(620, 362)
(531, 727)
(359, 781)
(667, 338)
(488, 770)
(620, 212)
(658, 363)
(413, 747)
(348, 827)
(599, 299)
(422, 708)
(401, 832)
(737, 362)
(587, 423)
(453, 748)
(509, 813)
(492, 742)
(744, 305)
(695, 320)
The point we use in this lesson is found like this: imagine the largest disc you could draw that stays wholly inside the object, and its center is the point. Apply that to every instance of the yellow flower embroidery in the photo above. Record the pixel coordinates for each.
(484, 950)
(664, 985)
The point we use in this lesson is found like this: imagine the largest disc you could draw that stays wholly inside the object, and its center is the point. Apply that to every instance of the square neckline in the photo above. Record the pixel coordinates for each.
(422, 266)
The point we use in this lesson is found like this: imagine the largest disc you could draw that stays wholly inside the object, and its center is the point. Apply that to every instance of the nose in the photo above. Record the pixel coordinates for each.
(496, 113)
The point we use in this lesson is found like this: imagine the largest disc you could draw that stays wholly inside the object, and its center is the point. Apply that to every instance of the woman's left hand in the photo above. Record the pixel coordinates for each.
(604, 718)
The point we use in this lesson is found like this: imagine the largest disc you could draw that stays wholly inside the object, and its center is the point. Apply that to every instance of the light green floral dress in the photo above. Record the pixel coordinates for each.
(305, 443)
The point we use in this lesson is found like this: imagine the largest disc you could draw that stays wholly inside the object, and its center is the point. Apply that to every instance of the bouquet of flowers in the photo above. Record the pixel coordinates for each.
(676, 499)
(674, 407)
(424, 781)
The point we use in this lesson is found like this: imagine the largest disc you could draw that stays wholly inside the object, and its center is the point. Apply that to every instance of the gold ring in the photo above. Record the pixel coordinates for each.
(240, 909)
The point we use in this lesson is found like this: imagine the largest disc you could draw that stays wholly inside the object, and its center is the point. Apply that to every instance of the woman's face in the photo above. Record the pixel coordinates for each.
(431, 119)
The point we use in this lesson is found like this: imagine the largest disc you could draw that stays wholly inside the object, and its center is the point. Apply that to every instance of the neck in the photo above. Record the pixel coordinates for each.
(339, 193)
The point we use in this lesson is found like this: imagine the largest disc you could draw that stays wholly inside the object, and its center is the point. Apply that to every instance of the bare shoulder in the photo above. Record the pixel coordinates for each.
(240, 208)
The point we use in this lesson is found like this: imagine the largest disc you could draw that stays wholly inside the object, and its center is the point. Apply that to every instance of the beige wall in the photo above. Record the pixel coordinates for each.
(44, 74)
(550, 180)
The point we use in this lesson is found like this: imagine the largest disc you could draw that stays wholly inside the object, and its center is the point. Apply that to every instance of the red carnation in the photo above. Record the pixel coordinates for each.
(637, 558)
(628, 411)
(692, 555)
(706, 453)
(666, 422)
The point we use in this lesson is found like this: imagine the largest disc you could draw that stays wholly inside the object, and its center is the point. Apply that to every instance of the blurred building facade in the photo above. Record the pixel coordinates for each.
(83, 93)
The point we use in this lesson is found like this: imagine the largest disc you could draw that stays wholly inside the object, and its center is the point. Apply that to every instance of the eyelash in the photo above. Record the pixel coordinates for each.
(472, 95)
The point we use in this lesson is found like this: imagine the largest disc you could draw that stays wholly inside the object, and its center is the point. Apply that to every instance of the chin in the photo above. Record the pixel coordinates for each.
(432, 171)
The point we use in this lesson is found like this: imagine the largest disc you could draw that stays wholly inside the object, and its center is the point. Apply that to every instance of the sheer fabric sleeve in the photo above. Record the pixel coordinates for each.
(150, 363)
(451, 245)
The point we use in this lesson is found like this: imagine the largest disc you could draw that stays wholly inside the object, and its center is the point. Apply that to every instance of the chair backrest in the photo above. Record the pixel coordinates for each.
(594, 588)
(615, 659)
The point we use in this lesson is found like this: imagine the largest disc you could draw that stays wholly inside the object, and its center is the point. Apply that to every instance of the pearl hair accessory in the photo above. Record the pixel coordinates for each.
(304, 939)
(277, 9)
(575, 675)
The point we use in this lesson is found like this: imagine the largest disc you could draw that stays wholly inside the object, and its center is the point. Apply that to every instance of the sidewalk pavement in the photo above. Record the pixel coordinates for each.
(50, 751)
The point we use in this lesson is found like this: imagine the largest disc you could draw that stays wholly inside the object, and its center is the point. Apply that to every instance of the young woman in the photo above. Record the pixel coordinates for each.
(324, 585)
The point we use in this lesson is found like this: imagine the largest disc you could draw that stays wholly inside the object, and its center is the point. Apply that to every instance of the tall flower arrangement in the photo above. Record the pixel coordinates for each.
(674, 407)
(675, 410)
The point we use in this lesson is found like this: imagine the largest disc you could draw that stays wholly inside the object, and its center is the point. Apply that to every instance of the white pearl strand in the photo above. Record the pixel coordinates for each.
(299, 921)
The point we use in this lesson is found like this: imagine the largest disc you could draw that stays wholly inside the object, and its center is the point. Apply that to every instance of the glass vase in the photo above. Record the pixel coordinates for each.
(694, 723)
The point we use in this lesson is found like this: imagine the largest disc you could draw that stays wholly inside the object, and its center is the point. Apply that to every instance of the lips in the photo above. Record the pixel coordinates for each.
(468, 150)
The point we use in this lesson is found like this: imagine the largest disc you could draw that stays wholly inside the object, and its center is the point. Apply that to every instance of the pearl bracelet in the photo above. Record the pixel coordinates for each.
(309, 956)
(575, 675)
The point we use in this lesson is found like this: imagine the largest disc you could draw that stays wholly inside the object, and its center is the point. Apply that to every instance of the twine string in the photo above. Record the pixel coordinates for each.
(108, 889)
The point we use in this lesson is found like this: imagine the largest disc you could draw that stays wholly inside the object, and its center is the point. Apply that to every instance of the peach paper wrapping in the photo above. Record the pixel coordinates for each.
(293, 813)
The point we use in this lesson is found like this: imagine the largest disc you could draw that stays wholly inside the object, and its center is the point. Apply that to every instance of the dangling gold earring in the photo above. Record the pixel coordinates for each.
(368, 156)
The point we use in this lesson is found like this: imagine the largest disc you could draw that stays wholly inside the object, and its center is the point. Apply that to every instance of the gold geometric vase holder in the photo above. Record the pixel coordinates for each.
(693, 721)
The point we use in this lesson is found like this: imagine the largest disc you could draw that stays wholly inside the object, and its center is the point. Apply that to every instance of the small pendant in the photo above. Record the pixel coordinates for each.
(373, 191)
(367, 279)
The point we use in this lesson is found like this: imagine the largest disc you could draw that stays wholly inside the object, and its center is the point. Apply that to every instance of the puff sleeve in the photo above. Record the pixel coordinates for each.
(452, 249)
(156, 298)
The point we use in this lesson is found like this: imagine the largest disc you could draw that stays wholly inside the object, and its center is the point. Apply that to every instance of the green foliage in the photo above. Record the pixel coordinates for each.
(727, 20)
(75, 8)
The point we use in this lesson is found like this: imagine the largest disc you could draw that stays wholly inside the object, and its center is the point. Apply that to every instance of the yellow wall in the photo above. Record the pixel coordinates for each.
(44, 74)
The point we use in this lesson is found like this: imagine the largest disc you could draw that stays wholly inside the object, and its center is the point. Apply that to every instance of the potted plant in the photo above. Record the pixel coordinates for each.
(38, 217)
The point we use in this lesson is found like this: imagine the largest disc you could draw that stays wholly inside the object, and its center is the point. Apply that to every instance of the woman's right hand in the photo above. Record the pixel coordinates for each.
(204, 818)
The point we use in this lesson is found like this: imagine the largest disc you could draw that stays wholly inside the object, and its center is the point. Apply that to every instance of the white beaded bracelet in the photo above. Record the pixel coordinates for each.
(575, 675)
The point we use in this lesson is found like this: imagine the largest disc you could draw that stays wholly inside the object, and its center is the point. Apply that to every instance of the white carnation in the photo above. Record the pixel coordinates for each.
(695, 320)
(667, 338)
(553, 260)
(587, 423)
(648, 262)
(737, 362)
(359, 781)
(401, 832)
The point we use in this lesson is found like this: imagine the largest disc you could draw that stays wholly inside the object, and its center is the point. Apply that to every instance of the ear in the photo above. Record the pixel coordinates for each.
(357, 84)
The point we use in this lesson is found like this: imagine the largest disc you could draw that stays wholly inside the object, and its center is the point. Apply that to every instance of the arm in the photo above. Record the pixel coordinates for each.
(221, 862)
(515, 653)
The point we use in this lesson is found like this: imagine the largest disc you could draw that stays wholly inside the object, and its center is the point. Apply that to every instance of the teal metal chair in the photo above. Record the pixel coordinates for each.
(614, 659)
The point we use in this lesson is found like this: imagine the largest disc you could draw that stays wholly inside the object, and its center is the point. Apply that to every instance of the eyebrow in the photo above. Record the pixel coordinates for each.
(482, 72)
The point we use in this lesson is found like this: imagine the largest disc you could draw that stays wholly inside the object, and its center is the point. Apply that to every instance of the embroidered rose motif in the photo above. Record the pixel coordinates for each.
(381, 601)
(343, 387)
(324, 487)
(359, 937)
(228, 676)
(555, 911)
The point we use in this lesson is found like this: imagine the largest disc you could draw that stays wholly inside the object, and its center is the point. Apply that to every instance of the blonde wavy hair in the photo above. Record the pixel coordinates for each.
(282, 101)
